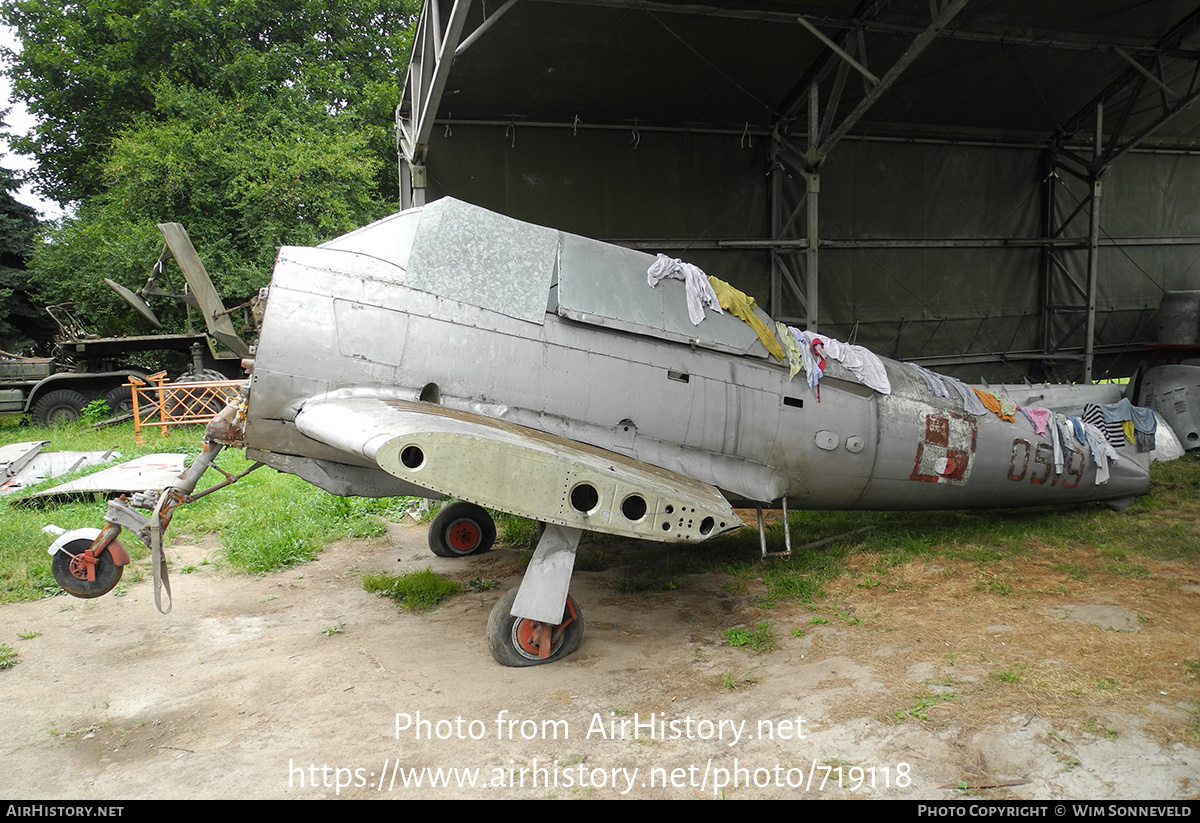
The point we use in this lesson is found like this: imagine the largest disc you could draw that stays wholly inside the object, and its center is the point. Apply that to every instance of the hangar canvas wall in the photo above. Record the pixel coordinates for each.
(967, 247)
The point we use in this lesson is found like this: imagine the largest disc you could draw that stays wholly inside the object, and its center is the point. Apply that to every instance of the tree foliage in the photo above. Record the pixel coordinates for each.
(88, 69)
(19, 318)
(254, 123)
(243, 175)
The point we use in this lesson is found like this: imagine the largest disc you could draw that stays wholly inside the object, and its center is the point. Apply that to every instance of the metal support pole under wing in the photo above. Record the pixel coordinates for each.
(544, 589)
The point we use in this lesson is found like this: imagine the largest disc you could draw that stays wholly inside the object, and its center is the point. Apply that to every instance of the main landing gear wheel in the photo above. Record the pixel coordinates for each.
(518, 642)
(71, 572)
(461, 529)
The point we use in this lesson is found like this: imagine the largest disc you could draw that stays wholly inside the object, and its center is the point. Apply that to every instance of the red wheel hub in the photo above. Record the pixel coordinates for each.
(463, 535)
(83, 566)
(534, 637)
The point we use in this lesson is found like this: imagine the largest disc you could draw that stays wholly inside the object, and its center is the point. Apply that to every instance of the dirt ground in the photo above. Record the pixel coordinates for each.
(302, 685)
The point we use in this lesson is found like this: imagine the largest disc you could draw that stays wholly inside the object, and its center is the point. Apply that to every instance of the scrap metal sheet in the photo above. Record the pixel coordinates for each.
(152, 471)
(15, 456)
(43, 466)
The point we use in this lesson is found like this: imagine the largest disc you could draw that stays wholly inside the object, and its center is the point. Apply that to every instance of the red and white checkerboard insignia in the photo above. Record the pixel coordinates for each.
(945, 455)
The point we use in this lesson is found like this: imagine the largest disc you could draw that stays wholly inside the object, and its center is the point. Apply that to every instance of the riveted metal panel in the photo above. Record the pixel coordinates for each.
(484, 259)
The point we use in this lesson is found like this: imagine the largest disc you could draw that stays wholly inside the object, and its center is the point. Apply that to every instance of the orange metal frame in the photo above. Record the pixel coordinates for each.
(162, 404)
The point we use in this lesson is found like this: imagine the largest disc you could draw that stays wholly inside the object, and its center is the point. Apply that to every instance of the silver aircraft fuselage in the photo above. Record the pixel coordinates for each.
(450, 351)
(475, 317)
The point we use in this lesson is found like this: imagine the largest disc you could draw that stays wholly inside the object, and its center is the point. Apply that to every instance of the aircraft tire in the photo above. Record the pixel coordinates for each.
(461, 529)
(108, 573)
(59, 406)
(512, 640)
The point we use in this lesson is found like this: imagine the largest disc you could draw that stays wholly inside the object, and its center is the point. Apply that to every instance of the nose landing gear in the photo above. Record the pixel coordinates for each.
(82, 572)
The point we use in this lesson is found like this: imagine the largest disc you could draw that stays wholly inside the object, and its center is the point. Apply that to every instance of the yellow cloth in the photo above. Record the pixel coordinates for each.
(1127, 425)
(795, 361)
(992, 404)
(742, 306)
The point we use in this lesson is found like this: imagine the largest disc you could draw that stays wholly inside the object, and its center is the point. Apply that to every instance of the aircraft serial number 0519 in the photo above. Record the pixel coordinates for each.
(1043, 470)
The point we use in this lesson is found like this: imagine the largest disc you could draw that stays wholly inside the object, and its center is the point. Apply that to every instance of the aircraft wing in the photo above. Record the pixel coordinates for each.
(519, 470)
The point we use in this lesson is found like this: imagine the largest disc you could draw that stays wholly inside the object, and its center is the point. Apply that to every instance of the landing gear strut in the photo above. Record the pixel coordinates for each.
(539, 622)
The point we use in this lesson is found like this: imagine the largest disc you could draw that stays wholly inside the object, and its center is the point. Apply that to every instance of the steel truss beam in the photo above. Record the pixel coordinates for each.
(1061, 321)
(861, 21)
(801, 243)
(435, 43)
(824, 134)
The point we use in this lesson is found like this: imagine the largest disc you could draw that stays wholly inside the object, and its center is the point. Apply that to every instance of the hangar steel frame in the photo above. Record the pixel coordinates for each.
(1158, 82)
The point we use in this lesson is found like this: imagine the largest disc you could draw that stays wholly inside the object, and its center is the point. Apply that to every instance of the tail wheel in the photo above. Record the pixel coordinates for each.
(461, 529)
(520, 642)
(71, 570)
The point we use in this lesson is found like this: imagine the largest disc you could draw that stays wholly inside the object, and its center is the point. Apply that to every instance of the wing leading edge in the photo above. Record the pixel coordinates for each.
(519, 470)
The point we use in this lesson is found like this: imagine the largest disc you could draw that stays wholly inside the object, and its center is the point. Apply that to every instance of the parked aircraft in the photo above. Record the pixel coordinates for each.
(448, 350)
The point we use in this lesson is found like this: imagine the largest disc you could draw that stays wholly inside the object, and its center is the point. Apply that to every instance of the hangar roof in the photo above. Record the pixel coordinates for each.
(1000, 69)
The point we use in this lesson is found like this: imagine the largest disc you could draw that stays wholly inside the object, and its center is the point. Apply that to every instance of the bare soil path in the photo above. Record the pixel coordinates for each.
(301, 684)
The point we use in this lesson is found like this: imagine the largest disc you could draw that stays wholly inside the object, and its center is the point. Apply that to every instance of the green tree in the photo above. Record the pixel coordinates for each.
(255, 123)
(91, 68)
(20, 319)
(244, 175)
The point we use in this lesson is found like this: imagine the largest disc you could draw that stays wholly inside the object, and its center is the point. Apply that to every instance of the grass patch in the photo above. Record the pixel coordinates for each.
(732, 680)
(925, 701)
(416, 592)
(303, 519)
(760, 639)
(266, 521)
(518, 532)
(1094, 726)
(1012, 674)
(8, 656)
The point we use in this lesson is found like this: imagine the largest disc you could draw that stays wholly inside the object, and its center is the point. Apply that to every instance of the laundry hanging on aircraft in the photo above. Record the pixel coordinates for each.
(861, 361)
(1122, 422)
(705, 291)
(1102, 452)
(700, 294)
(805, 349)
(791, 347)
(742, 306)
(1114, 430)
(940, 385)
(1039, 417)
(1002, 407)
